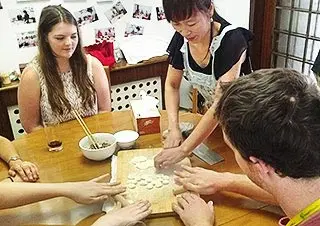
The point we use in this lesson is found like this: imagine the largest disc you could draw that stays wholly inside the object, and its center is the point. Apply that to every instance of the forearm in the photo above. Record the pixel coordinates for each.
(7, 149)
(204, 128)
(241, 184)
(18, 194)
(172, 98)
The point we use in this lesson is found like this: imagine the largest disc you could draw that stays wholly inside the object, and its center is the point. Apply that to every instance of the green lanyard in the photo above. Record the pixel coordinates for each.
(305, 213)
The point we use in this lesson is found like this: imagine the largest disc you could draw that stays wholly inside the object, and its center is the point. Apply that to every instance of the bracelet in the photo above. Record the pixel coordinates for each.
(14, 158)
(11, 179)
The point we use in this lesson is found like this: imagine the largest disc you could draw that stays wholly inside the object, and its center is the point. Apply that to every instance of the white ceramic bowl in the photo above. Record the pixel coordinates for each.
(126, 139)
(101, 153)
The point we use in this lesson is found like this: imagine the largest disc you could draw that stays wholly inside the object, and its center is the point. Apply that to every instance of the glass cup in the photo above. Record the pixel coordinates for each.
(53, 137)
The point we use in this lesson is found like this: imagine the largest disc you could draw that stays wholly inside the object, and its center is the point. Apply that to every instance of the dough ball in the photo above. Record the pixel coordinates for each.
(158, 184)
(131, 186)
(150, 186)
(165, 182)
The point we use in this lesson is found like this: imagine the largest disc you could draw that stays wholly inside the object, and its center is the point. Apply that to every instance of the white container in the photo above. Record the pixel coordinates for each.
(101, 153)
(126, 139)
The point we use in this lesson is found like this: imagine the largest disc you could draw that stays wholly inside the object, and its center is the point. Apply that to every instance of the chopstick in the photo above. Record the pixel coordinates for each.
(85, 129)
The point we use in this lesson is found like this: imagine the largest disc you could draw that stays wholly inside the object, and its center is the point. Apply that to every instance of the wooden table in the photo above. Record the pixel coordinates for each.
(71, 165)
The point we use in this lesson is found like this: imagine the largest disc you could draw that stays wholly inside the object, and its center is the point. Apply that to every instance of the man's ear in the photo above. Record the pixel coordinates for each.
(211, 10)
(260, 165)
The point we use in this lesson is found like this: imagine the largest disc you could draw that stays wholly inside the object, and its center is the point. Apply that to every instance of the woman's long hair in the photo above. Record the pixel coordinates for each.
(50, 16)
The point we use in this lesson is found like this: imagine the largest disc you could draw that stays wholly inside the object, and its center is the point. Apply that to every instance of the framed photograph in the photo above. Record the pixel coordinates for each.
(27, 39)
(102, 34)
(142, 12)
(133, 29)
(22, 16)
(116, 12)
(160, 13)
(86, 16)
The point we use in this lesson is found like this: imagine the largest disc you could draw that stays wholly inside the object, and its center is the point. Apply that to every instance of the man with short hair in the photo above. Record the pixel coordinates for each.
(271, 121)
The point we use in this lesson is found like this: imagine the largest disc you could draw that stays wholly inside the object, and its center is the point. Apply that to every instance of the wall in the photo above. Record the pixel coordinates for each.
(237, 12)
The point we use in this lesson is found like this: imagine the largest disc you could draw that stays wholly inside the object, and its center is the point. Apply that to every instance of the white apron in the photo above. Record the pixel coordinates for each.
(205, 84)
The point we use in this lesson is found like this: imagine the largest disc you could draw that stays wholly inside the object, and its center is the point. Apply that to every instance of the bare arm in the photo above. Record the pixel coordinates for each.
(205, 127)
(208, 123)
(7, 149)
(241, 184)
(11, 194)
(18, 194)
(29, 100)
(26, 170)
(101, 85)
(172, 96)
(207, 182)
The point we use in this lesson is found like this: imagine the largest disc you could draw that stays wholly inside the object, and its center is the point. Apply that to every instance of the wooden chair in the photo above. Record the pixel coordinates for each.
(194, 100)
(107, 70)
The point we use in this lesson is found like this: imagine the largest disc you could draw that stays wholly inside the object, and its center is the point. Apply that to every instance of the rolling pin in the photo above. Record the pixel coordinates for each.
(124, 202)
(179, 190)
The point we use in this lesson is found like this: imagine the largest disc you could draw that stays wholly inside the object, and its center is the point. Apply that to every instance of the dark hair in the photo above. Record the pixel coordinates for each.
(274, 115)
(50, 16)
(178, 10)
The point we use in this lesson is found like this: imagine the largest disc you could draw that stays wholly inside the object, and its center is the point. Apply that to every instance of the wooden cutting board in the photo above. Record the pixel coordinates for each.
(160, 198)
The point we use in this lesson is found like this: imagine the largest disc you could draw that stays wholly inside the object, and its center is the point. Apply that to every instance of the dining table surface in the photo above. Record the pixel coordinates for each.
(70, 165)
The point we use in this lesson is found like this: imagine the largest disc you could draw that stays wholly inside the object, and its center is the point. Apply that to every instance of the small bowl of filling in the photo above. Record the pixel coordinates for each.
(126, 139)
(106, 142)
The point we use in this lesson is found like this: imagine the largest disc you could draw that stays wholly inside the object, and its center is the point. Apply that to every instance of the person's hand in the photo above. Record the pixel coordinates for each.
(26, 170)
(193, 210)
(94, 190)
(168, 157)
(173, 138)
(127, 215)
(200, 180)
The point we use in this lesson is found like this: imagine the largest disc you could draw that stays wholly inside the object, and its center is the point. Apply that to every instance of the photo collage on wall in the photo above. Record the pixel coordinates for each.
(160, 13)
(22, 16)
(142, 12)
(116, 12)
(27, 39)
(133, 29)
(86, 16)
(24, 20)
(105, 34)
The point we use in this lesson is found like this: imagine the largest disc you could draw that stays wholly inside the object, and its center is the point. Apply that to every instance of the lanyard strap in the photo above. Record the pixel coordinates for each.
(305, 213)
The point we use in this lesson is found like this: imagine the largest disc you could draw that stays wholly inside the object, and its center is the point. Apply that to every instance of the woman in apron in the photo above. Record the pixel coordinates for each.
(204, 52)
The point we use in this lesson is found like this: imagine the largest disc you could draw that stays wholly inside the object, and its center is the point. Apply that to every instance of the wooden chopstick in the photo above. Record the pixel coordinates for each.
(86, 129)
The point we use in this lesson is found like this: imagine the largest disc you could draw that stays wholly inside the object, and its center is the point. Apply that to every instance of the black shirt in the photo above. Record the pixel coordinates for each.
(233, 44)
(316, 65)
